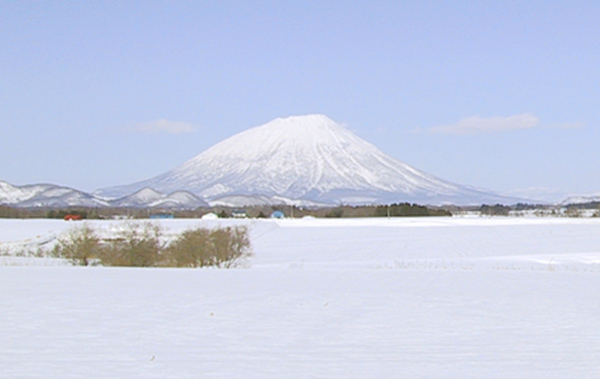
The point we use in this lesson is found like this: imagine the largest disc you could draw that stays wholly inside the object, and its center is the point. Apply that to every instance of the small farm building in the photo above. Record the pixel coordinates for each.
(277, 214)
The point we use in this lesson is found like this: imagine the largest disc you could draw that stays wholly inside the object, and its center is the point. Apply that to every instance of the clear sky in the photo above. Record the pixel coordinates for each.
(503, 95)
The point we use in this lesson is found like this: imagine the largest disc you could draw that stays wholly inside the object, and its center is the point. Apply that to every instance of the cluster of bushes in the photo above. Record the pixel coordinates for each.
(142, 245)
(494, 210)
(409, 210)
(12, 212)
(392, 210)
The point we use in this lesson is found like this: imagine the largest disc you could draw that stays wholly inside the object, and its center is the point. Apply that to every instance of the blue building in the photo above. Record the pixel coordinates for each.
(277, 214)
(162, 216)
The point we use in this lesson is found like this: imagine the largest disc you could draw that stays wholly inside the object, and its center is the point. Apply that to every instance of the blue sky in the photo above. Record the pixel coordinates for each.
(498, 94)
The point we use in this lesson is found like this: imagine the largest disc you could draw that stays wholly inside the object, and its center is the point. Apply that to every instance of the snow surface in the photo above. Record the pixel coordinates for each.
(357, 298)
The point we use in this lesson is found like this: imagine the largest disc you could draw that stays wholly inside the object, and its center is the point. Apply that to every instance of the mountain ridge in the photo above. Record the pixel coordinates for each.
(309, 161)
(55, 196)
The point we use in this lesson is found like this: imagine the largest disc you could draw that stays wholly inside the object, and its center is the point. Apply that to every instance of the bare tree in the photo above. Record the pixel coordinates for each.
(201, 247)
(79, 246)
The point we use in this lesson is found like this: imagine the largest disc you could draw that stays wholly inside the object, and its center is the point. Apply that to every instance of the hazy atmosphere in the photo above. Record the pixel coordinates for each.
(501, 95)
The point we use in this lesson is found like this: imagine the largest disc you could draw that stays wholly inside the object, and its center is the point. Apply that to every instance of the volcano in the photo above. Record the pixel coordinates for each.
(306, 159)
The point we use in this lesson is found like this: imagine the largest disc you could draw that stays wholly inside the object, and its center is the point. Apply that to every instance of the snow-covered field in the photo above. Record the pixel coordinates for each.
(382, 298)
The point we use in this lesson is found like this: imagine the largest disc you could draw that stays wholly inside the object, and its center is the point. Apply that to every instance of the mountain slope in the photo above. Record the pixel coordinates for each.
(46, 195)
(582, 199)
(148, 197)
(53, 196)
(305, 157)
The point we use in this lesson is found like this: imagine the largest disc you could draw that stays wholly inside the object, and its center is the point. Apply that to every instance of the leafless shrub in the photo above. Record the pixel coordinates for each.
(138, 245)
(201, 247)
(78, 246)
(141, 245)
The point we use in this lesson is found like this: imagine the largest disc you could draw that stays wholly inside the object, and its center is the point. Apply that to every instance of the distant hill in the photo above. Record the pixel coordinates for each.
(47, 195)
(53, 196)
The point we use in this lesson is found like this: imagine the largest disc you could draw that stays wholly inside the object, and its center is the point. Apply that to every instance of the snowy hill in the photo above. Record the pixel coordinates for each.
(148, 197)
(139, 198)
(46, 195)
(309, 158)
(53, 196)
(180, 199)
(590, 198)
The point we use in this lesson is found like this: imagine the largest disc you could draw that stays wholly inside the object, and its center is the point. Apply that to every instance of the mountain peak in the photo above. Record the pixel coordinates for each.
(308, 157)
(310, 120)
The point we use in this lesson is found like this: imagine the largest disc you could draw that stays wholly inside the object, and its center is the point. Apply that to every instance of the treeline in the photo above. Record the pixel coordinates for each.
(495, 210)
(12, 212)
(342, 211)
(393, 210)
(85, 213)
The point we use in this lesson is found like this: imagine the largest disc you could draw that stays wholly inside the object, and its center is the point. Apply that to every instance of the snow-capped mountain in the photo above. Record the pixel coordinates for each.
(310, 158)
(148, 197)
(180, 199)
(46, 195)
(53, 196)
(589, 198)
